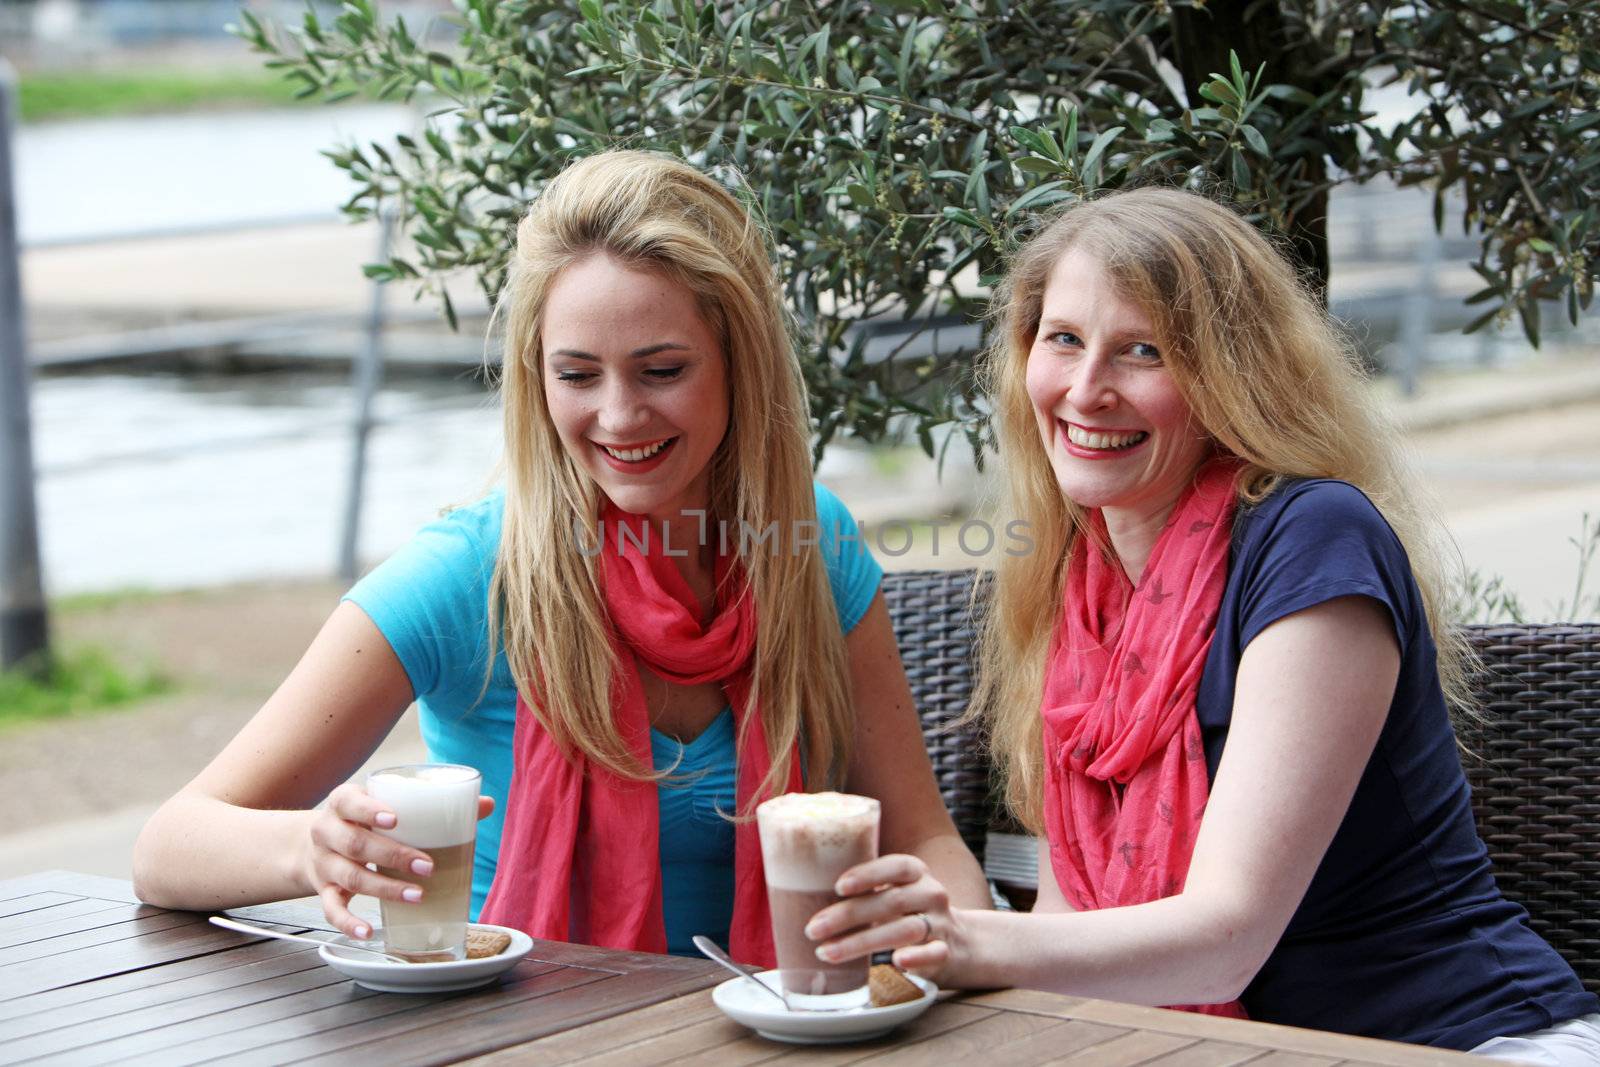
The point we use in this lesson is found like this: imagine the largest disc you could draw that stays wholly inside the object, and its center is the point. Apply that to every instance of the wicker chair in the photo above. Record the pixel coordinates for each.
(1534, 765)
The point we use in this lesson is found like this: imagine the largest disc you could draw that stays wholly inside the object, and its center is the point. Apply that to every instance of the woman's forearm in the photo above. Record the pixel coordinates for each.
(1170, 951)
(200, 853)
(951, 862)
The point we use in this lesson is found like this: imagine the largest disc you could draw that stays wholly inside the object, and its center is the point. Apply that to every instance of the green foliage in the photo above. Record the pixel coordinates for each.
(91, 93)
(899, 148)
(1484, 599)
(81, 681)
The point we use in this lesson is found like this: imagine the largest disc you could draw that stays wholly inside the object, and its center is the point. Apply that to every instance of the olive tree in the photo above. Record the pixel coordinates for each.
(897, 149)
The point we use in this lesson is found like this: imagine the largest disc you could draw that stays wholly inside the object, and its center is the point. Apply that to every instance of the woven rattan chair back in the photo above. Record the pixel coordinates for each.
(1534, 765)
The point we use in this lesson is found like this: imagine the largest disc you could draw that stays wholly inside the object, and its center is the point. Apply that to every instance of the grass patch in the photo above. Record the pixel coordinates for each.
(115, 598)
(92, 93)
(81, 681)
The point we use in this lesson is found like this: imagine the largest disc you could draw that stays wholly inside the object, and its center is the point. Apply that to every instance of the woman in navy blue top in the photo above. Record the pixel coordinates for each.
(1218, 689)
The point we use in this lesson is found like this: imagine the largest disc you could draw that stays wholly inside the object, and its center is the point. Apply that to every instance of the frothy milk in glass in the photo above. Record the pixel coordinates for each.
(807, 841)
(436, 810)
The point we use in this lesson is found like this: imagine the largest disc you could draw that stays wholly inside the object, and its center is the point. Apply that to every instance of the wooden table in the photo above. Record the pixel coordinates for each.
(88, 975)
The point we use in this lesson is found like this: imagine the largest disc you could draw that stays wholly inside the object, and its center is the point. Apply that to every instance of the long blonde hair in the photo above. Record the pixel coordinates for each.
(658, 213)
(1265, 373)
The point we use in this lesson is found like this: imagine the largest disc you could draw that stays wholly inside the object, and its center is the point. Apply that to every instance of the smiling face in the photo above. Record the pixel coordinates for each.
(637, 384)
(1118, 432)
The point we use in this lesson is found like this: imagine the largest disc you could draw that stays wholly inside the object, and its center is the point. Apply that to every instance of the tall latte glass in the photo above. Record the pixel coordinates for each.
(436, 810)
(807, 841)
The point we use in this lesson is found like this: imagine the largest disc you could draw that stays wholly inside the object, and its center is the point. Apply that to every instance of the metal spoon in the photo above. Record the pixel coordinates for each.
(713, 951)
(246, 928)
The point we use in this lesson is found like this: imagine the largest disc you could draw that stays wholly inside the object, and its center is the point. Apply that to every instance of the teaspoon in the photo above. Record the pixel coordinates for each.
(246, 928)
(713, 951)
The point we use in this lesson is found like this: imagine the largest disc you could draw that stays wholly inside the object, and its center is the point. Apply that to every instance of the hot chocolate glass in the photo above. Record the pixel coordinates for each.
(807, 841)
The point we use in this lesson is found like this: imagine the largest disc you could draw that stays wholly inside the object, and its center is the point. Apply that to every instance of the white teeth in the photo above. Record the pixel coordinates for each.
(634, 455)
(1108, 441)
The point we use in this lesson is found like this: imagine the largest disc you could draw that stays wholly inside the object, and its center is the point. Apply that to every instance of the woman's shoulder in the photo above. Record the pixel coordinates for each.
(450, 557)
(1315, 496)
(478, 521)
(1311, 539)
(853, 575)
(1311, 510)
(828, 503)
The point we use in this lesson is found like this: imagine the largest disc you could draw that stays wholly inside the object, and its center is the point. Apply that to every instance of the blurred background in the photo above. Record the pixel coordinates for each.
(201, 338)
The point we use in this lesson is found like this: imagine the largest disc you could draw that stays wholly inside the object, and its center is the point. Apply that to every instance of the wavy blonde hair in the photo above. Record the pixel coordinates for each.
(657, 213)
(1264, 371)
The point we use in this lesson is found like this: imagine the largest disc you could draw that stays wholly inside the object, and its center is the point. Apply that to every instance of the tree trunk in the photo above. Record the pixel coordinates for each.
(1202, 39)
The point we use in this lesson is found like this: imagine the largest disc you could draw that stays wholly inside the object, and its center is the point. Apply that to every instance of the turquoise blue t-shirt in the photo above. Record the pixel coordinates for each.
(430, 600)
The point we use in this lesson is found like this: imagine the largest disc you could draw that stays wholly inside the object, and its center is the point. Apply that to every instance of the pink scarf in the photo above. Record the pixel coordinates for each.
(579, 857)
(1125, 773)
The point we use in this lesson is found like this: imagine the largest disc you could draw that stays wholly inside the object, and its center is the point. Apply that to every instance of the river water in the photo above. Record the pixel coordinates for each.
(165, 481)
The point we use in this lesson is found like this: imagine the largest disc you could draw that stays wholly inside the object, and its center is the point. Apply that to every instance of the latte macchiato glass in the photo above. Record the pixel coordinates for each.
(807, 841)
(436, 810)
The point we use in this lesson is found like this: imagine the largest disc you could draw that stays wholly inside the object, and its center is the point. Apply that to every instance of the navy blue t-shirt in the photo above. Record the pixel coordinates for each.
(1402, 933)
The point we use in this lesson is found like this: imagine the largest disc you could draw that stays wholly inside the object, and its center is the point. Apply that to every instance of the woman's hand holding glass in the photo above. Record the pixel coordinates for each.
(893, 903)
(346, 835)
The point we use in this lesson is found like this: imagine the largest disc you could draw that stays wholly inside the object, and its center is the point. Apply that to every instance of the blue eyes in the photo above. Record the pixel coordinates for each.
(1140, 351)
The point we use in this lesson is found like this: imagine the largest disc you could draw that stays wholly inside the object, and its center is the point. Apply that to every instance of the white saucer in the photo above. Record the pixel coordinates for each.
(385, 977)
(744, 1004)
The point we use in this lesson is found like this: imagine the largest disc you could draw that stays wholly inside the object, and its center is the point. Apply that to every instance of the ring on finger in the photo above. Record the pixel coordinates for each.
(927, 927)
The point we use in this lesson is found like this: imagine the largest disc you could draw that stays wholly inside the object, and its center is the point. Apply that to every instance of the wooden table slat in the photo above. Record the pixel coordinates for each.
(697, 1042)
(33, 901)
(125, 922)
(1264, 1035)
(595, 1038)
(427, 1031)
(167, 999)
(1129, 1050)
(339, 1003)
(399, 1016)
(71, 883)
(187, 1043)
(275, 978)
(33, 927)
(474, 1025)
(1294, 1059)
(992, 1036)
(92, 1000)
(93, 962)
(1051, 1044)
(1208, 1053)
(62, 907)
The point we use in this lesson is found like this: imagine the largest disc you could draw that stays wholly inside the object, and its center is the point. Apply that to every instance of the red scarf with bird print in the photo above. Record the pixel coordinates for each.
(1125, 773)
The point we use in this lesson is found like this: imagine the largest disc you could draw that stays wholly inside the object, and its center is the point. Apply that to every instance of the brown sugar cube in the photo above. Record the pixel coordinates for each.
(888, 986)
(482, 944)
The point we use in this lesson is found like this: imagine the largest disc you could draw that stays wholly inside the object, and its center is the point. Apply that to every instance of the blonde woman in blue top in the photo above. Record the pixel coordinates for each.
(648, 369)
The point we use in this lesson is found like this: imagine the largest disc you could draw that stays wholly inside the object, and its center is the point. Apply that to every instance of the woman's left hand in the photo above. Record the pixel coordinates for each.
(894, 904)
